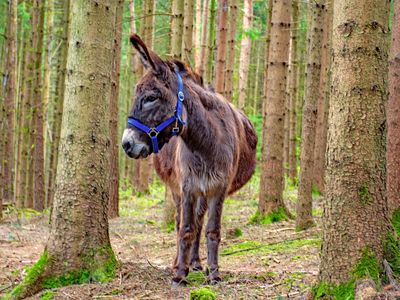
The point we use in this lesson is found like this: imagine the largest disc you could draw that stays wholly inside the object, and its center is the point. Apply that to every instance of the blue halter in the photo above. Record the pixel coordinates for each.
(153, 132)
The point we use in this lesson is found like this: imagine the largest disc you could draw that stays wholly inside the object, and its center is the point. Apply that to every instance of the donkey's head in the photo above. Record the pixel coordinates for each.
(153, 117)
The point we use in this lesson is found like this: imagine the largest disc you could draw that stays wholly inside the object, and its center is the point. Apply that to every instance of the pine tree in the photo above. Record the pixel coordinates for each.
(221, 46)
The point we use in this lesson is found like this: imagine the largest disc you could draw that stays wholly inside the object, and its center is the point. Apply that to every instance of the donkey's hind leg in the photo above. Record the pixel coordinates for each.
(177, 200)
(213, 234)
(201, 208)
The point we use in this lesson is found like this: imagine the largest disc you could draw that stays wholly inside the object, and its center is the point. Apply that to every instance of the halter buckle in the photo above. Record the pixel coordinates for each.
(181, 96)
(153, 132)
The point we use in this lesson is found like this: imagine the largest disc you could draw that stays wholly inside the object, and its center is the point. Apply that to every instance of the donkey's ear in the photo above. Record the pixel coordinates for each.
(149, 59)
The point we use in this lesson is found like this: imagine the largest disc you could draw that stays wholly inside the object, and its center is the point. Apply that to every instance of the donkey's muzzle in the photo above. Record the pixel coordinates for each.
(135, 150)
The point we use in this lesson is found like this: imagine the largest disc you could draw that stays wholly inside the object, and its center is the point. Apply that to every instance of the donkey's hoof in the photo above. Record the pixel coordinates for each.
(196, 266)
(176, 282)
(214, 280)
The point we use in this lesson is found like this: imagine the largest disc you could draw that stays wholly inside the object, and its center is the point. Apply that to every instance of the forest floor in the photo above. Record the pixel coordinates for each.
(256, 261)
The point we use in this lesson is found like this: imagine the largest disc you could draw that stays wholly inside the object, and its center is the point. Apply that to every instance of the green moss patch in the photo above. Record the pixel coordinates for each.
(367, 267)
(396, 221)
(202, 294)
(251, 247)
(364, 194)
(47, 295)
(270, 218)
(196, 278)
(338, 292)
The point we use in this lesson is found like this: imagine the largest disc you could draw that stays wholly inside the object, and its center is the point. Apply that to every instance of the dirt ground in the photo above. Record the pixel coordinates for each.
(265, 262)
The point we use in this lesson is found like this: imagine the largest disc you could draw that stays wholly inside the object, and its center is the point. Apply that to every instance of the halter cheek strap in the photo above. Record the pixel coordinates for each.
(153, 132)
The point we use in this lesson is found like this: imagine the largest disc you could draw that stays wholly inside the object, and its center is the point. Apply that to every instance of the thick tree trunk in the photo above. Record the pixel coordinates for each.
(187, 42)
(38, 140)
(204, 52)
(114, 166)
(292, 91)
(177, 28)
(58, 102)
(271, 185)
(316, 26)
(355, 216)
(230, 61)
(221, 45)
(323, 103)
(393, 139)
(79, 242)
(245, 49)
(7, 124)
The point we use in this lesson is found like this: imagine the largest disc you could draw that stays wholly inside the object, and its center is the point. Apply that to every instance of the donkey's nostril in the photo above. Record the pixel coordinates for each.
(126, 145)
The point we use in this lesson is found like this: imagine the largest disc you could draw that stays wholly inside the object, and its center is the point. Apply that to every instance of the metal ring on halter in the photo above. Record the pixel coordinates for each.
(181, 96)
(153, 132)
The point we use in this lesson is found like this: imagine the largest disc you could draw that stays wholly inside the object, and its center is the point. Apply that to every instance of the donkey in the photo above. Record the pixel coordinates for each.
(207, 151)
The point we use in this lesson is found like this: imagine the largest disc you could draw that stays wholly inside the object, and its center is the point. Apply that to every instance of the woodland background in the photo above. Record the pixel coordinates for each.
(297, 68)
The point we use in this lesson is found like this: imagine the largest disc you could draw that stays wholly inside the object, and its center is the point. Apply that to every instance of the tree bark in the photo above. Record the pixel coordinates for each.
(245, 49)
(221, 46)
(211, 42)
(393, 139)
(316, 26)
(177, 28)
(201, 66)
(355, 216)
(7, 125)
(187, 42)
(113, 203)
(79, 242)
(58, 102)
(323, 103)
(38, 139)
(197, 34)
(230, 62)
(292, 91)
(271, 185)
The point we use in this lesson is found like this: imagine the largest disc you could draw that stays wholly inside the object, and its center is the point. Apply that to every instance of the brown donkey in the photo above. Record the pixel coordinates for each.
(212, 155)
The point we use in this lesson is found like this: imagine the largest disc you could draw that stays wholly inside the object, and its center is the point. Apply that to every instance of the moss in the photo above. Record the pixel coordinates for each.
(270, 218)
(396, 221)
(202, 294)
(196, 278)
(47, 295)
(251, 247)
(392, 252)
(315, 192)
(170, 226)
(367, 267)
(237, 232)
(364, 195)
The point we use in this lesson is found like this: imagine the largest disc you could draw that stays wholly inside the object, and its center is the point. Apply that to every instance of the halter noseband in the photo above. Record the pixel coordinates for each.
(153, 132)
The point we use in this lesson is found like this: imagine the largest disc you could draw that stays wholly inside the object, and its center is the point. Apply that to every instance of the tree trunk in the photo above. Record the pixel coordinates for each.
(211, 43)
(79, 244)
(292, 91)
(271, 185)
(58, 102)
(177, 28)
(113, 203)
(187, 42)
(201, 67)
(393, 139)
(245, 49)
(197, 34)
(356, 222)
(316, 27)
(221, 46)
(7, 125)
(38, 140)
(230, 62)
(323, 103)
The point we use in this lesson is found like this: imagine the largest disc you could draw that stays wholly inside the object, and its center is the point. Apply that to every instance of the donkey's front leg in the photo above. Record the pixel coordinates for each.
(213, 234)
(186, 236)
(201, 208)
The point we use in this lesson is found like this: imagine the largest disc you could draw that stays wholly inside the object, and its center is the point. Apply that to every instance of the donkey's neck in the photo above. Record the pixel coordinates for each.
(202, 129)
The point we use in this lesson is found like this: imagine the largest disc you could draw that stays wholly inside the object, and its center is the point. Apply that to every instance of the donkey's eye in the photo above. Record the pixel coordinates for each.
(150, 99)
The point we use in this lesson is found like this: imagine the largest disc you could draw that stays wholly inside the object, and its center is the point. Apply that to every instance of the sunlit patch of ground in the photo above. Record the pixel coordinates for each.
(256, 261)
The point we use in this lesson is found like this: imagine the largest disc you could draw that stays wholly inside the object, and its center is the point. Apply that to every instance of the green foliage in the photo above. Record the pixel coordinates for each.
(367, 266)
(257, 120)
(74, 277)
(237, 232)
(270, 218)
(315, 192)
(170, 226)
(338, 292)
(202, 294)
(47, 295)
(396, 221)
(196, 278)
(392, 252)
